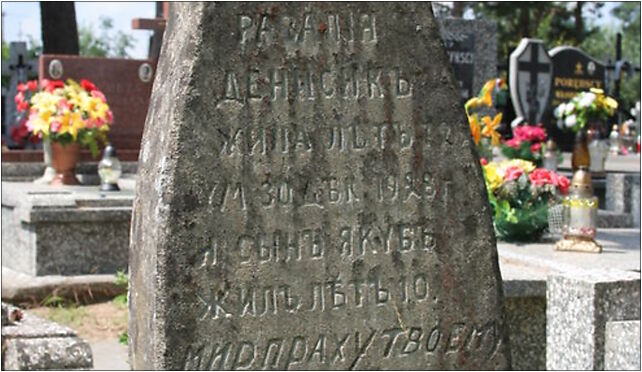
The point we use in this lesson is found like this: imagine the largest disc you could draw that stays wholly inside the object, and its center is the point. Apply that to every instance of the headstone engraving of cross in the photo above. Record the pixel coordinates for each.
(530, 80)
(19, 68)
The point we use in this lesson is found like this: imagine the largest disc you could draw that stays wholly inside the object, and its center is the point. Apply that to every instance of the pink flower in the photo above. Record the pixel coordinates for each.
(98, 94)
(512, 173)
(22, 106)
(55, 126)
(63, 104)
(110, 117)
(20, 97)
(540, 176)
(530, 133)
(536, 147)
(514, 142)
(483, 161)
(22, 87)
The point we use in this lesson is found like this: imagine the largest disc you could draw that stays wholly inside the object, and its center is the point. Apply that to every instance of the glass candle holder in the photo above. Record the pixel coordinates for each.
(580, 208)
(109, 170)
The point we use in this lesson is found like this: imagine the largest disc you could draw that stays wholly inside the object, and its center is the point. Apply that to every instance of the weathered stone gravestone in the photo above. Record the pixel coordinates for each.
(308, 197)
(472, 50)
(573, 72)
(529, 79)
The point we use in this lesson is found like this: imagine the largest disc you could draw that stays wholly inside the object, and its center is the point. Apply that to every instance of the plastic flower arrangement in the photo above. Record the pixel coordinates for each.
(484, 127)
(519, 194)
(70, 112)
(526, 144)
(585, 107)
(20, 134)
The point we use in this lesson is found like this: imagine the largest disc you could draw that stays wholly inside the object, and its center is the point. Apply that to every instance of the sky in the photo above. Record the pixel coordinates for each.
(23, 18)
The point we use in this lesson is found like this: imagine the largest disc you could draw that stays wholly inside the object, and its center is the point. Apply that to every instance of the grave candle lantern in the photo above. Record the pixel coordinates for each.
(579, 216)
(550, 157)
(109, 170)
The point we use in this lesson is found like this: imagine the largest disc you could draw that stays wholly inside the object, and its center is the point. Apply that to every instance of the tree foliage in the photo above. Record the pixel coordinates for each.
(105, 44)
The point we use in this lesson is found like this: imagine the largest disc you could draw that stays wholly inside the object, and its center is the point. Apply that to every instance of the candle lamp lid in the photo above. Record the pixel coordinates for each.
(110, 151)
(550, 145)
(582, 180)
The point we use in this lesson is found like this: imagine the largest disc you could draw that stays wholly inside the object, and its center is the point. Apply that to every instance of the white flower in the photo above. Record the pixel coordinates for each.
(558, 110)
(560, 123)
(568, 109)
(587, 99)
(570, 121)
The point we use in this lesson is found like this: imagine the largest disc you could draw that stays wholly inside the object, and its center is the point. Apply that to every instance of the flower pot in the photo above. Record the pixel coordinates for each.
(581, 156)
(64, 159)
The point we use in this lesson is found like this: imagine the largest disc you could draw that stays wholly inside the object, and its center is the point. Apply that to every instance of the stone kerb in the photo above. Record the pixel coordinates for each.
(579, 305)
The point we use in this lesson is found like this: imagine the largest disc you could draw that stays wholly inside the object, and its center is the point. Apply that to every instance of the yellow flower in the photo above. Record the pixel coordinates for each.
(472, 103)
(492, 176)
(490, 128)
(475, 128)
(487, 93)
(610, 103)
(597, 91)
(524, 165)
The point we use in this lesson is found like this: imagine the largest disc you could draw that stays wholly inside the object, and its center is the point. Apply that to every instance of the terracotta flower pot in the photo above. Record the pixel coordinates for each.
(64, 160)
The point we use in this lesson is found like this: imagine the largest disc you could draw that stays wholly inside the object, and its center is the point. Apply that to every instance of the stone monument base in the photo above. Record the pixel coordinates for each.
(32, 343)
(68, 230)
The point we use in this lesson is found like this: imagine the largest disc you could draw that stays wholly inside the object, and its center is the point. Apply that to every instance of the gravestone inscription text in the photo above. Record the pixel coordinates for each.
(308, 197)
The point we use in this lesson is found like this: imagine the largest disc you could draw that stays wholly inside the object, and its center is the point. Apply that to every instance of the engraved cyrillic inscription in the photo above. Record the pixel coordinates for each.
(346, 350)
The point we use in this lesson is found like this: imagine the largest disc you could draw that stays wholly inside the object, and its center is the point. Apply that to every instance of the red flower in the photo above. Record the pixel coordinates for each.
(512, 173)
(87, 85)
(50, 85)
(22, 106)
(536, 147)
(32, 85)
(22, 87)
(514, 142)
(483, 161)
(540, 176)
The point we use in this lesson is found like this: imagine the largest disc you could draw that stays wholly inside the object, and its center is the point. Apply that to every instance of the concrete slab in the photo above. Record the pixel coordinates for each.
(619, 164)
(110, 355)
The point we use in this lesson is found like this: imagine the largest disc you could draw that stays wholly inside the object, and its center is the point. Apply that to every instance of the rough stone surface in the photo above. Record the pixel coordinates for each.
(65, 230)
(283, 224)
(611, 219)
(619, 192)
(472, 50)
(37, 344)
(527, 328)
(622, 347)
(579, 305)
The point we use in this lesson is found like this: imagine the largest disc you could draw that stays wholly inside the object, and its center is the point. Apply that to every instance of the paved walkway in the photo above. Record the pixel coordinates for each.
(109, 355)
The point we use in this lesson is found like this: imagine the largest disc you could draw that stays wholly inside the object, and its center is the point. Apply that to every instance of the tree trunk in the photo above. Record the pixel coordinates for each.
(579, 22)
(458, 9)
(58, 27)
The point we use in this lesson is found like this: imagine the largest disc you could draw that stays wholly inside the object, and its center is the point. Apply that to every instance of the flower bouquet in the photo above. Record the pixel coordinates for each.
(482, 119)
(584, 108)
(69, 113)
(20, 134)
(526, 144)
(519, 194)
